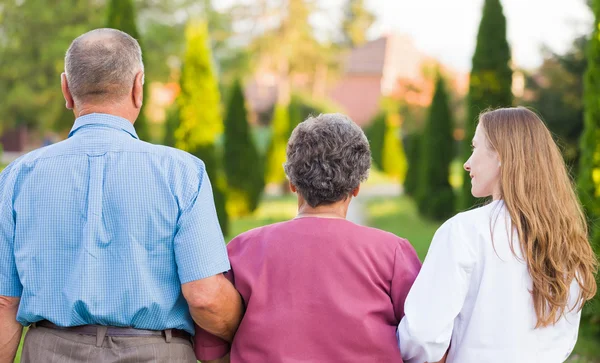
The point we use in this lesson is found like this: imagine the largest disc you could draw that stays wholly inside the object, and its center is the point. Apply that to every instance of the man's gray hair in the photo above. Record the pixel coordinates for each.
(102, 64)
(328, 156)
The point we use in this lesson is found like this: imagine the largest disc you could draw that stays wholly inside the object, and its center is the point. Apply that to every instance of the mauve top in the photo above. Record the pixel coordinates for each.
(317, 290)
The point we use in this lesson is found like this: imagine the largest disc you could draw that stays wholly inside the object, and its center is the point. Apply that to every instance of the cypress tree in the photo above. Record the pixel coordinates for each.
(490, 84)
(386, 145)
(393, 158)
(435, 197)
(121, 16)
(276, 152)
(413, 151)
(376, 134)
(171, 124)
(241, 159)
(589, 163)
(295, 112)
(200, 120)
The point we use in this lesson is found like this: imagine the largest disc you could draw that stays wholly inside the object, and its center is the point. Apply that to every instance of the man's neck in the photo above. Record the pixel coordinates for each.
(115, 109)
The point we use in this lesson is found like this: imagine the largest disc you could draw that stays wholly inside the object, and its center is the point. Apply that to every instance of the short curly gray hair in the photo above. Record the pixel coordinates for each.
(328, 156)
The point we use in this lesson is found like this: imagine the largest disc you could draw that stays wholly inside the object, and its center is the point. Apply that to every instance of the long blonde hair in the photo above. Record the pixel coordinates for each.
(544, 209)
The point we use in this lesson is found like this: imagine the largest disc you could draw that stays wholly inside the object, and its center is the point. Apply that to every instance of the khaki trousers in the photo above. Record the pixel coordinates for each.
(44, 345)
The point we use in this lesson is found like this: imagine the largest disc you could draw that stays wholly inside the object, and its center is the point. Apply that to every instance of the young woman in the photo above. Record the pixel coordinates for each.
(505, 282)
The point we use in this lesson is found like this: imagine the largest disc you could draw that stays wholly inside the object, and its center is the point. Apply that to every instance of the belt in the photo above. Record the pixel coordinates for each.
(115, 331)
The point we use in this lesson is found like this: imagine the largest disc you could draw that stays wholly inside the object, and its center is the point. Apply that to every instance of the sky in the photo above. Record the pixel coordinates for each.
(447, 29)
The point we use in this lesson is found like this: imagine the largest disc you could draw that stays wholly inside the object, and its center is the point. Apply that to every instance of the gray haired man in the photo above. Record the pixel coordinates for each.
(110, 246)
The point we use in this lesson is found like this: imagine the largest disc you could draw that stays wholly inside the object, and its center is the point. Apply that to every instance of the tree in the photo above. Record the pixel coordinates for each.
(33, 40)
(242, 162)
(490, 82)
(121, 15)
(357, 20)
(588, 182)
(385, 142)
(295, 112)
(393, 158)
(276, 152)
(200, 120)
(171, 124)
(376, 134)
(413, 151)
(287, 44)
(303, 106)
(556, 91)
(435, 197)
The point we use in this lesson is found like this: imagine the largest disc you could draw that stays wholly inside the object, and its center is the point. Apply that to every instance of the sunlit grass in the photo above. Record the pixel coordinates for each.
(271, 210)
(399, 215)
(18, 356)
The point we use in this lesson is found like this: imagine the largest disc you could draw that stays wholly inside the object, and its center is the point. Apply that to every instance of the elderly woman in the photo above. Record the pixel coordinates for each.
(319, 288)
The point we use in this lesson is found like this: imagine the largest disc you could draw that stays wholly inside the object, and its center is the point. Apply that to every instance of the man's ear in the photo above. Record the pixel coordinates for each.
(138, 89)
(355, 191)
(64, 85)
(293, 187)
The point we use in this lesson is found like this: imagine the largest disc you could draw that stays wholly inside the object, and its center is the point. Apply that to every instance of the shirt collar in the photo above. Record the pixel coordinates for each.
(104, 120)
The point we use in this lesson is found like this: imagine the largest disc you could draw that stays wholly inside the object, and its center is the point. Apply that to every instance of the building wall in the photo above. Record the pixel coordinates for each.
(358, 96)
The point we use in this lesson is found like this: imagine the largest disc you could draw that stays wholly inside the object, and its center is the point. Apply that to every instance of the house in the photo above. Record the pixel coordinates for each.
(390, 66)
(372, 71)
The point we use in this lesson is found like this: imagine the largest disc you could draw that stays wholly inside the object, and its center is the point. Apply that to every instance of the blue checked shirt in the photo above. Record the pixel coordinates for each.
(103, 228)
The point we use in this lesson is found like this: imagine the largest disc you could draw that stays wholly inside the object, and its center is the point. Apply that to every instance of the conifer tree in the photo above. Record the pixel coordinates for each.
(243, 167)
(490, 84)
(376, 134)
(200, 119)
(413, 151)
(435, 197)
(588, 182)
(121, 16)
(393, 158)
(276, 153)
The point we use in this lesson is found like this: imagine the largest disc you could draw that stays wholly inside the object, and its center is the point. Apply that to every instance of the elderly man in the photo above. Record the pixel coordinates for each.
(110, 246)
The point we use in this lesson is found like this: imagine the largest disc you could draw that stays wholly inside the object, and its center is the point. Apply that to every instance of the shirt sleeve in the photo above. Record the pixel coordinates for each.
(437, 296)
(208, 346)
(406, 269)
(10, 285)
(200, 250)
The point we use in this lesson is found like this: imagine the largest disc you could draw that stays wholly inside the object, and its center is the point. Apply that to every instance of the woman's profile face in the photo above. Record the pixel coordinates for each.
(483, 167)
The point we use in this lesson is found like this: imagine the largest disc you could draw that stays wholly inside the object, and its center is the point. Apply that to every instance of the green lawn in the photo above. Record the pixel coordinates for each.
(271, 210)
(399, 216)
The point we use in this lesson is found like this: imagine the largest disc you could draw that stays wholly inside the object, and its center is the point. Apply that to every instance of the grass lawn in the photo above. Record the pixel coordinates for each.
(271, 210)
(399, 216)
